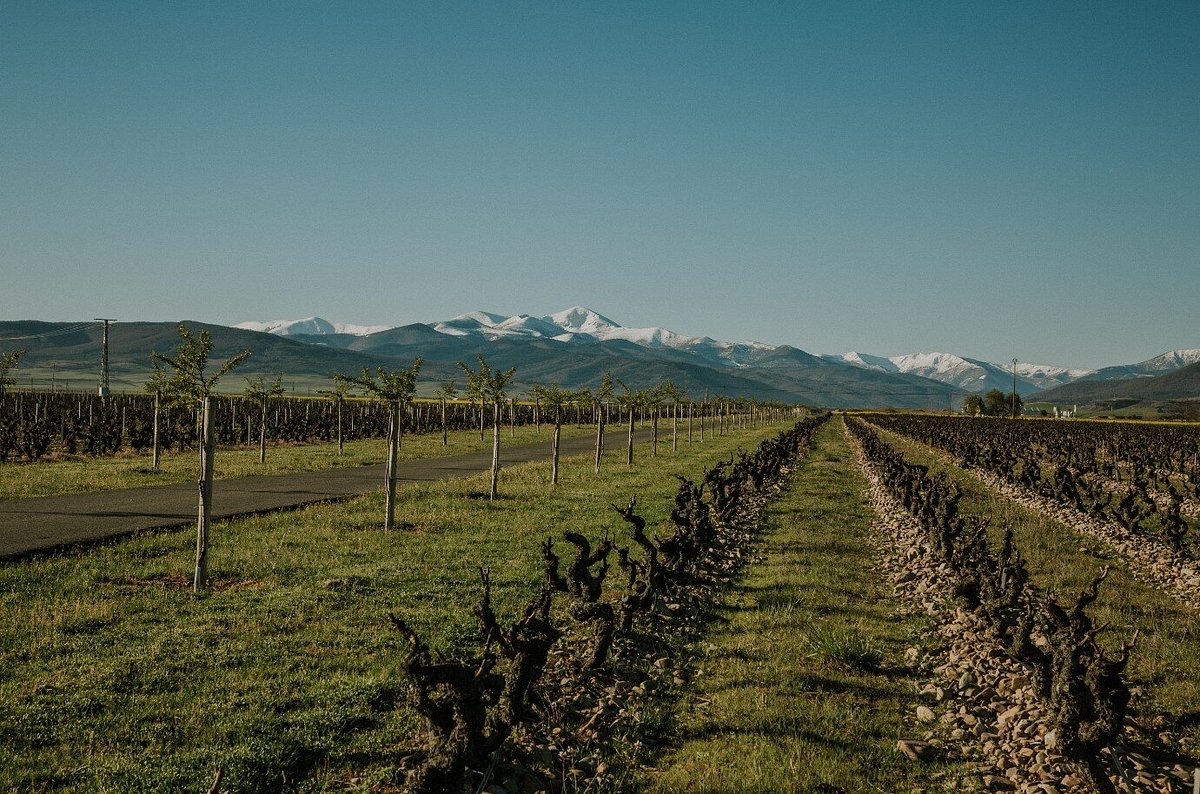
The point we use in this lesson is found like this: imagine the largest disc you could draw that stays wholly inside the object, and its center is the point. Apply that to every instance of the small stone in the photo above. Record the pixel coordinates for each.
(1008, 716)
(997, 783)
(925, 714)
(915, 750)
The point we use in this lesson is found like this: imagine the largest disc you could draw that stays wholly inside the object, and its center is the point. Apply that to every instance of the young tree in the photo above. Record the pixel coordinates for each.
(474, 392)
(338, 393)
(447, 391)
(604, 393)
(670, 394)
(186, 384)
(490, 385)
(556, 400)
(8, 362)
(156, 384)
(630, 401)
(395, 388)
(972, 405)
(259, 390)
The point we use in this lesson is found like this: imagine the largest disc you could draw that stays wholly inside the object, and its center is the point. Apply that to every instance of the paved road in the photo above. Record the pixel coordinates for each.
(50, 522)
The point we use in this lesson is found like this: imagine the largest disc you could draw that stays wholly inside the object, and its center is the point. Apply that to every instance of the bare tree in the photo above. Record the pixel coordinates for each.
(187, 385)
(604, 393)
(557, 401)
(630, 401)
(671, 394)
(261, 392)
(447, 391)
(490, 385)
(396, 389)
(338, 394)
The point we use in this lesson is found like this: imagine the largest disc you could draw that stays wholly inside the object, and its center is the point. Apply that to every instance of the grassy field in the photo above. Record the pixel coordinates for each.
(803, 683)
(1164, 672)
(115, 677)
(80, 474)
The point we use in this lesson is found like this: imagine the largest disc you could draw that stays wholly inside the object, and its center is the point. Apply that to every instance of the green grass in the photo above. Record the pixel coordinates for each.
(1164, 671)
(115, 677)
(803, 683)
(127, 470)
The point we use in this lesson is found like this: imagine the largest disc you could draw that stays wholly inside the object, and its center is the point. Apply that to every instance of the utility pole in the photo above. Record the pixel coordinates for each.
(1014, 399)
(104, 356)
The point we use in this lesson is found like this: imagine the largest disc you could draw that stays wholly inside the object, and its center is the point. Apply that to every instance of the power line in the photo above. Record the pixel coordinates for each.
(56, 332)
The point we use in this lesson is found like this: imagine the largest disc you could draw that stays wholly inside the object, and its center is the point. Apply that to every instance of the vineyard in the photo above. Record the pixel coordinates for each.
(36, 425)
(1021, 614)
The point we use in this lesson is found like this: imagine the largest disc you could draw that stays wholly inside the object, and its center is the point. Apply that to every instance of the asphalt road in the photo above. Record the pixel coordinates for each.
(46, 523)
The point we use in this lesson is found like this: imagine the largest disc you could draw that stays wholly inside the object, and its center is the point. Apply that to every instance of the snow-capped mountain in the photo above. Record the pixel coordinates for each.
(577, 324)
(1169, 361)
(964, 373)
(1166, 362)
(310, 326)
(580, 325)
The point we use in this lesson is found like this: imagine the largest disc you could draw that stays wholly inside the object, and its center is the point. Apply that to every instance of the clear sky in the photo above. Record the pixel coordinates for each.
(990, 179)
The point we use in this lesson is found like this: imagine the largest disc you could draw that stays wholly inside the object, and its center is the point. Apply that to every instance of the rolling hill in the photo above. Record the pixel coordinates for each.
(72, 352)
(1178, 384)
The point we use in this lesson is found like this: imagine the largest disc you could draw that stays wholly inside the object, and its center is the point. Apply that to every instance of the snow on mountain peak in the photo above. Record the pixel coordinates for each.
(579, 319)
(1173, 359)
(311, 326)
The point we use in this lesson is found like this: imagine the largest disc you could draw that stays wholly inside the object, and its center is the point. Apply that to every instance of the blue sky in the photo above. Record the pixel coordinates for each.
(991, 179)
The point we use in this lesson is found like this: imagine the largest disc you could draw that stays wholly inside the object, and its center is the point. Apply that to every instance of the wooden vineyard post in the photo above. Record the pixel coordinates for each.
(554, 446)
(157, 444)
(492, 493)
(445, 434)
(341, 447)
(675, 427)
(599, 437)
(654, 411)
(204, 513)
(262, 431)
(389, 518)
(629, 445)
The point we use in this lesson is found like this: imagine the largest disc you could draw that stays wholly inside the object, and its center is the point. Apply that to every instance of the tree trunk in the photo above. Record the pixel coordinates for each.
(654, 432)
(445, 434)
(204, 512)
(157, 443)
(675, 408)
(554, 447)
(341, 448)
(629, 445)
(599, 437)
(389, 518)
(537, 415)
(495, 450)
(481, 419)
(262, 433)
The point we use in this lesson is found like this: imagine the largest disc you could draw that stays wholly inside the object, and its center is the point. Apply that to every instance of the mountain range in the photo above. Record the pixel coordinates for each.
(573, 348)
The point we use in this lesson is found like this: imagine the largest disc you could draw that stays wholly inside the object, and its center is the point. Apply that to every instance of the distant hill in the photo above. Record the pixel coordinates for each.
(640, 357)
(1159, 365)
(1179, 384)
(968, 374)
(75, 354)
